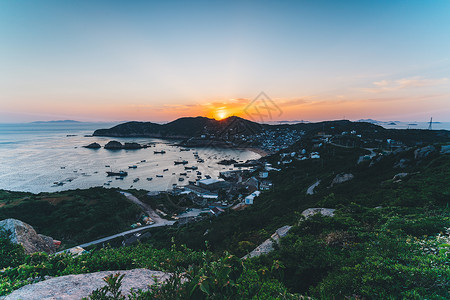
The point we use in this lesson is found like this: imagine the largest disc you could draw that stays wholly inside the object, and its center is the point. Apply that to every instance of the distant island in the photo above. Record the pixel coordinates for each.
(56, 122)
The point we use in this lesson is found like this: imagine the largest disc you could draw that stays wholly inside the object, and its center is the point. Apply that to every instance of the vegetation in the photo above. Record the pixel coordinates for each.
(389, 238)
(74, 216)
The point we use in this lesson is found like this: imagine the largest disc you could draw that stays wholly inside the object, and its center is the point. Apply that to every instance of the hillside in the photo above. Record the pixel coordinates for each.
(236, 131)
(389, 236)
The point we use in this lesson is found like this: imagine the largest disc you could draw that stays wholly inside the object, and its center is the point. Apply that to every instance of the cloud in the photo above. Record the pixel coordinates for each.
(404, 83)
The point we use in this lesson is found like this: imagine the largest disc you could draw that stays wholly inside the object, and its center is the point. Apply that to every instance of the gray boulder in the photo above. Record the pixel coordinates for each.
(341, 178)
(424, 152)
(445, 149)
(24, 234)
(82, 285)
(327, 212)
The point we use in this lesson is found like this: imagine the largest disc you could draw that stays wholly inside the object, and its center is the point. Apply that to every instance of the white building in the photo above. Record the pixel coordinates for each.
(249, 199)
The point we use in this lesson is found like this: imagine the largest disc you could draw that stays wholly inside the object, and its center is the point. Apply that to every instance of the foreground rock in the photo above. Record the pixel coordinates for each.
(24, 234)
(82, 285)
(93, 146)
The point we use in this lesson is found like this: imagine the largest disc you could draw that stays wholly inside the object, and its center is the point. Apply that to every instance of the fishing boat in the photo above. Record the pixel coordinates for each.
(132, 167)
(159, 152)
(191, 168)
(120, 173)
(180, 162)
(159, 176)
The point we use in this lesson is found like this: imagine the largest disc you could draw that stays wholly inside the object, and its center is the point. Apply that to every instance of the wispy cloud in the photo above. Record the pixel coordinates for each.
(404, 83)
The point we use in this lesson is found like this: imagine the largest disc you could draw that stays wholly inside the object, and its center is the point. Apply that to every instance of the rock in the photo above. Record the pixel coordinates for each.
(93, 146)
(24, 234)
(113, 145)
(424, 152)
(131, 146)
(402, 163)
(445, 149)
(267, 246)
(79, 286)
(341, 178)
(399, 176)
(328, 212)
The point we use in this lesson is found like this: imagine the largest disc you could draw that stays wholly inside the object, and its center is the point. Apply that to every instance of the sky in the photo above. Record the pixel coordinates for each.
(160, 60)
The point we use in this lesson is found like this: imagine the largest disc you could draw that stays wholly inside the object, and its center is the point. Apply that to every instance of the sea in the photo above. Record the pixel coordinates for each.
(50, 157)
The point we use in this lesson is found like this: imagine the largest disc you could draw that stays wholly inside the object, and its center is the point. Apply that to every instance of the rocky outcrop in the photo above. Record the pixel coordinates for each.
(445, 149)
(93, 146)
(327, 212)
(424, 152)
(341, 178)
(79, 286)
(24, 234)
(267, 246)
(113, 145)
(131, 146)
(399, 176)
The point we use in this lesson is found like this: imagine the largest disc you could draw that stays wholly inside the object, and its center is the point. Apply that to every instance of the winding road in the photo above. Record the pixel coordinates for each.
(159, 222)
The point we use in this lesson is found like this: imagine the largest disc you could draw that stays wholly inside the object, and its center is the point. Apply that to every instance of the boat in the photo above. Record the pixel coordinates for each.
(143, 160)
(165, 170)
(185, 149)
(182, 162)
(191, 168)
(207, 177)
(107, 166)
(120, 173)
(149, 178)
(159, 176)
(159, 152)
(183, 174)
(200, 160)
(119, 178)
(132, 167)
(136, 180)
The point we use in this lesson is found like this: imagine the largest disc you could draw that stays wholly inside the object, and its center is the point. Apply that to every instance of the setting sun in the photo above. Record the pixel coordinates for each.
(221, 114)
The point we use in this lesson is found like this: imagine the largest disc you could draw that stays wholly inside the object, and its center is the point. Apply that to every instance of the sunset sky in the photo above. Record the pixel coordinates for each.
(160, 60)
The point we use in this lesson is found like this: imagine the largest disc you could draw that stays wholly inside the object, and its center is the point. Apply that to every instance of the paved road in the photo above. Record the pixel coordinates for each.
(145, 207)
(159, 222)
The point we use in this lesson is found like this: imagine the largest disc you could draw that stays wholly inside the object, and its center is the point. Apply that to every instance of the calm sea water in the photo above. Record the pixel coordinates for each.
(35, 156)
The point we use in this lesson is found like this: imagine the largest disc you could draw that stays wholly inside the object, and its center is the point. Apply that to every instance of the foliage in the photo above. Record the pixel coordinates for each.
(73, 216)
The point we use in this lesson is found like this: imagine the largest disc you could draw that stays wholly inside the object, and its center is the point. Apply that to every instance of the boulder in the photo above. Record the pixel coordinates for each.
(445, 149)
(399, 176)
(131, 146)
(82, 285)
(341, 178)
(327, 212)
(424, 152)
(93, 146)
(24, 234)
(113, 145)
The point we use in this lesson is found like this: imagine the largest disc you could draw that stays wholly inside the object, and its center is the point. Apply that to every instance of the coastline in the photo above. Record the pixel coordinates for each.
(259, 151)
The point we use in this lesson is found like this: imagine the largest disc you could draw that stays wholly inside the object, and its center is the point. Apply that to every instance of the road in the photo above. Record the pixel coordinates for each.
(145, 207)
(159, 222)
